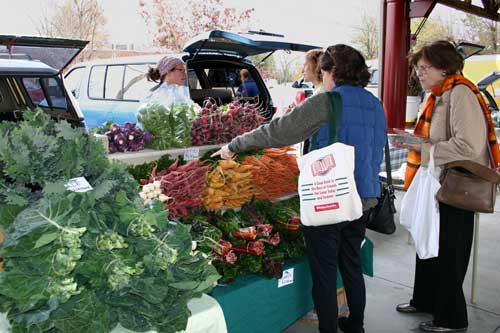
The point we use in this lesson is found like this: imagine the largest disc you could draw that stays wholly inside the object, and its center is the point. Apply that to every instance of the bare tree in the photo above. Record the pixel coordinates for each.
(433, 29)
(366, 37)
(173, 22)
(267, 68)
(482, 31)
(78, 19)
(286, 66)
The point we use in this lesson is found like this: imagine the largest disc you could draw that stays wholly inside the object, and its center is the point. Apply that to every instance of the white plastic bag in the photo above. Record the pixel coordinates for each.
(420, 210)
(327, 189)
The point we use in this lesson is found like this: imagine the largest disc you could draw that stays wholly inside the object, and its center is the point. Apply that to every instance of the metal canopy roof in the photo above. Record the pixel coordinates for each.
(488, 8)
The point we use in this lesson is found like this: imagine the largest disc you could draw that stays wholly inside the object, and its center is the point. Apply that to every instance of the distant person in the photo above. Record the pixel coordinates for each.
(248, 87)
(311, 70)
(312, 73)
(170, 72)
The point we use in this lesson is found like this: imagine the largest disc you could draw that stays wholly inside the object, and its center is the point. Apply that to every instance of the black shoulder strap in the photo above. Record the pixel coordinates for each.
(388, 163)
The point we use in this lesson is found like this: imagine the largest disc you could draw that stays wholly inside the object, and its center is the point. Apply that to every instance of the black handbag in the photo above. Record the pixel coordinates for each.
(381, 217)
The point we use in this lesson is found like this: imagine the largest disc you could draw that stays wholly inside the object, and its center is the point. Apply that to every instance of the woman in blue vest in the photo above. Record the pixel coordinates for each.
(362, 125)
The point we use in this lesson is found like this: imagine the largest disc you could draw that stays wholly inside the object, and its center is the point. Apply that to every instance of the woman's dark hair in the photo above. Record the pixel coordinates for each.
(347, 65)
(153, 74)
(441, 54)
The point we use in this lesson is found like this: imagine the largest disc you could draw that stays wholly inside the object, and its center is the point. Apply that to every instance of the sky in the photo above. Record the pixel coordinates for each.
(317, 22)
(322, 22)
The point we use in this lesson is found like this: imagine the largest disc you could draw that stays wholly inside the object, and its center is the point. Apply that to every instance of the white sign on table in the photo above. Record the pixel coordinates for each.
(191, 153)
(286, 278)
(79, 185)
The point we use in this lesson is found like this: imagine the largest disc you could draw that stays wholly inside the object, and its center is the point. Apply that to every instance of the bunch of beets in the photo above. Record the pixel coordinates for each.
(215, 125)
(128, 137)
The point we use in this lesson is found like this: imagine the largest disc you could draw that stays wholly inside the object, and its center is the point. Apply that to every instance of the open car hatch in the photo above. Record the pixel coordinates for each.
(242, 44)
(54, 52)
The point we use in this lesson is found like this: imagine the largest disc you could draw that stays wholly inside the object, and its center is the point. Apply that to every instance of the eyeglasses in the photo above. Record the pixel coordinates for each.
(422, 68)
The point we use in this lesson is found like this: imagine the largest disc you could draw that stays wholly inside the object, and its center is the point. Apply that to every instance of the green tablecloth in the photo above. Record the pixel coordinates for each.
(255, 304)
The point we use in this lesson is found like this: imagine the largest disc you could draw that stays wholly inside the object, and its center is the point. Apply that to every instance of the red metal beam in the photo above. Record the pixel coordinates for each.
(395, 68)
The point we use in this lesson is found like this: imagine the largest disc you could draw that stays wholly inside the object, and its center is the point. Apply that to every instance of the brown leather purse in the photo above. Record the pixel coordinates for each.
(469, 185)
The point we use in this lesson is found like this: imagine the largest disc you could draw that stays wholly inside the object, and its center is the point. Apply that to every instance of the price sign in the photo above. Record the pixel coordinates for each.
(79, 185)
(191, 153)
(286, 278)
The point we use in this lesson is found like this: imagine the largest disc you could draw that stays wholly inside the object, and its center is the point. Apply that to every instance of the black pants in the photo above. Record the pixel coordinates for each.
(328, 247)
(438, 281)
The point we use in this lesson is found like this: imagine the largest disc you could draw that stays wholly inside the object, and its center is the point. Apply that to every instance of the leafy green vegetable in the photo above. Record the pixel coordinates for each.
(217, 234)
(40, 150)
(84, 262)
(171, 127)
(142, 171)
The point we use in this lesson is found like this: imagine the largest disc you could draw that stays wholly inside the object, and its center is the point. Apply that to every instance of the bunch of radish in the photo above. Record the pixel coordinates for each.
(215, 125)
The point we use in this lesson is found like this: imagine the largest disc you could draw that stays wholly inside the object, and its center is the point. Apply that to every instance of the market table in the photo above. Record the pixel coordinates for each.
(150, 155)
(206, 317)
(256, 304)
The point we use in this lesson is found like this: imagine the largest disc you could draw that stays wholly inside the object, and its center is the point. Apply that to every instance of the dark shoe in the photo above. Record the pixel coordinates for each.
(344, 325)
(428, 326)
(406, 308)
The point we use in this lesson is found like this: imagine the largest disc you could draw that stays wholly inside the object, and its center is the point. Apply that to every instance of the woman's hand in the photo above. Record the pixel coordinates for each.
(412, 146)
(224, 153)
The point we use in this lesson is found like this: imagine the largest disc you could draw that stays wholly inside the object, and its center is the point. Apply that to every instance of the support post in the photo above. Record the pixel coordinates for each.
(474, 259)
(395, 65)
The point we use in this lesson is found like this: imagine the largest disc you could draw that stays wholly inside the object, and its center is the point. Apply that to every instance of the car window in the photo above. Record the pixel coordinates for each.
(135, 84)
(374, 77)
(55, 93)
(96, 82)
(193, 81)
(45, 92)
(73, 79)
(34, 89)
(114, 81)
(223, 77)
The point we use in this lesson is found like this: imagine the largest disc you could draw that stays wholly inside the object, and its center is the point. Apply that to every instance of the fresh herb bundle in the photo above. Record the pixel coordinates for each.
(171, 127)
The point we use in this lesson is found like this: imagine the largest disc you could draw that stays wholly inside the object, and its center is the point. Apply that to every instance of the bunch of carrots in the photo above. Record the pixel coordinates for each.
(229, 185)
(183, 186)
(274, 174)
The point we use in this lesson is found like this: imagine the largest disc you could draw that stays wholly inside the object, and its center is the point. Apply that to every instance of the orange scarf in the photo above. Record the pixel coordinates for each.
(424, 123)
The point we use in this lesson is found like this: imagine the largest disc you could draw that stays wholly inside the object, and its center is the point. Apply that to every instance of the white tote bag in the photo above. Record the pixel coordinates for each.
(327, 189)
(420, 210)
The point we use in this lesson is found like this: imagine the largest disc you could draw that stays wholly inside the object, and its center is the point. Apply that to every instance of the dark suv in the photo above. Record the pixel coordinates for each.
(30, 76)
